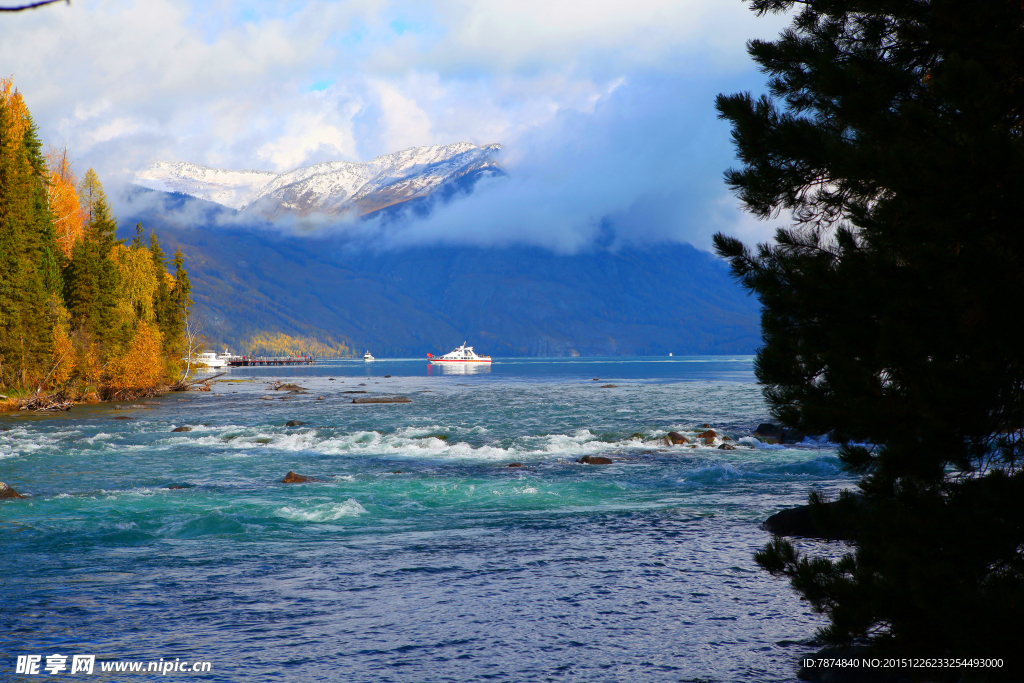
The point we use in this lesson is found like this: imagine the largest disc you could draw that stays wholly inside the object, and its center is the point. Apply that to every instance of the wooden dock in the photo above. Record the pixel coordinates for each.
(249, 361)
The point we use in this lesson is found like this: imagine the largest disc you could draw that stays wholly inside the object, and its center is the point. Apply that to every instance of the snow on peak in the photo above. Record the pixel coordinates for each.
(331, 187)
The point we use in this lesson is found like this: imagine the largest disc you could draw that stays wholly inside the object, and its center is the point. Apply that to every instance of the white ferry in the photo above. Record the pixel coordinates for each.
(463, 354)
(211, 360)
(368, 356)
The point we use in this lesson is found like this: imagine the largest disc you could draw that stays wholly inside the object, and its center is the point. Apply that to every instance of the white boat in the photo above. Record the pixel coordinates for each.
(211, 360)
(368, 356)
(463, 354)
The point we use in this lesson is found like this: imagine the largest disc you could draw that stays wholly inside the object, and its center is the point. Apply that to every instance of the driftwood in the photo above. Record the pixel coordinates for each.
(46, 403)
(185, 386)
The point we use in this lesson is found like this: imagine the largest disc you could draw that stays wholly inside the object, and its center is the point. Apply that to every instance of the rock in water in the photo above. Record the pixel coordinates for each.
(595, 460)
(609, 386)
(6, 492)
(383, 399)
(675, 438)
(710, 434)
(292, 478)
(294, 423)
(515, 464)
(182, 429)
(727, 447)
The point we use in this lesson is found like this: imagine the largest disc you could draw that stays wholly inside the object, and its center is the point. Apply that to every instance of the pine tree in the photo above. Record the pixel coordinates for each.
(91, 276)
(893, 133)
(29, 269)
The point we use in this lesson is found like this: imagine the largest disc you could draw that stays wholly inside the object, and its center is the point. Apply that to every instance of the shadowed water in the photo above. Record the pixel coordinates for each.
(420, 556)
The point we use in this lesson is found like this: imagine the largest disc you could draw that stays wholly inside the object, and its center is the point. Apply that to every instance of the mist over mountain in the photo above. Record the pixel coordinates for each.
(251, 279)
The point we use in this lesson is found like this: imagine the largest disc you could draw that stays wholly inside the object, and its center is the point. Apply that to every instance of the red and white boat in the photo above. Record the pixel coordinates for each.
(463, 354)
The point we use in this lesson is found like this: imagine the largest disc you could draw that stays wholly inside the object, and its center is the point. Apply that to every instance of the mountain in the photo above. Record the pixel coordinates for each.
(407, 302)
(331, 188)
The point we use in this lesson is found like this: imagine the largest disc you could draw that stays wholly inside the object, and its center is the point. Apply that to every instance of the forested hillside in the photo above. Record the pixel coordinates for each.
(339, 295)
(83, 315)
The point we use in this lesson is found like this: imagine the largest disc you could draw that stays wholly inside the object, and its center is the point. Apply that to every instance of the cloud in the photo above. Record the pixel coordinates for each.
(567, 88)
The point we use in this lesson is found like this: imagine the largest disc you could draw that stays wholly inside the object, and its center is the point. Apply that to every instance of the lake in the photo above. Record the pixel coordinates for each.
(420, 555)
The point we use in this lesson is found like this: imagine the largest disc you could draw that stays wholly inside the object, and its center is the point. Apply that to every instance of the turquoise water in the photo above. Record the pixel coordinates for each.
(420, 556)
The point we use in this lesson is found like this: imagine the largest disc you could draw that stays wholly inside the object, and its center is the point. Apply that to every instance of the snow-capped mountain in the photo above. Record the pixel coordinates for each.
(334, 187)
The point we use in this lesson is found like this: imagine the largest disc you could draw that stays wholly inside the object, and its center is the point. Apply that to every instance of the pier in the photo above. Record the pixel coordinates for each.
(246, 361)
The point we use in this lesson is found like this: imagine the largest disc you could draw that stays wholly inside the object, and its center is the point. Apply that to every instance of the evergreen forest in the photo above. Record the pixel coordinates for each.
(892, 136)
(83, 315)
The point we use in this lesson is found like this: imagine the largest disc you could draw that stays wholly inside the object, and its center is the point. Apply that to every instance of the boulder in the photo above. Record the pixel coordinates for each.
(382, 399)
(396, 471)
(294, 423)
(609, 386)
(727, 447)
(709, 441)
(387, 376)
(292, 478)
(515, 464)
(767, 430)
(319, 398)
(800, 521)
(709, 434)
(122, 417)
(705, 426)
(675, 438)
(595, 460)
(182, 429)
(6, 492)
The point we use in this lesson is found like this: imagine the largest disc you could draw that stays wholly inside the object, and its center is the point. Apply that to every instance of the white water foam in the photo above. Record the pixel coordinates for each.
(326, 512)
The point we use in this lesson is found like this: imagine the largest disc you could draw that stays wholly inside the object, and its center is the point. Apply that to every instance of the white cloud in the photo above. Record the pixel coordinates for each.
(124, 84)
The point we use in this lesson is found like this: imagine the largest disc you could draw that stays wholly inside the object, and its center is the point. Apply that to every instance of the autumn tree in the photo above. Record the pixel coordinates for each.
(62, 196)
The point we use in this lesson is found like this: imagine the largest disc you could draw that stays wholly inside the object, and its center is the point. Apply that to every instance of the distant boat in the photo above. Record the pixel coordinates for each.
(368, 356)
(463, 354)
(669, 354)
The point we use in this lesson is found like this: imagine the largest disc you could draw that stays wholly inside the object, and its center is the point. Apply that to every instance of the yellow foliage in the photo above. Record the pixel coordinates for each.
(141, 366)
(64, 356)
(280, 344)
(136, 285)
(68, 216)
(89, 367)
(15, 119)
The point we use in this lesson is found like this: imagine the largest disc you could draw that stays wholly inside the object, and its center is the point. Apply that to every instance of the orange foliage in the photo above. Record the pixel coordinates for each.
(14, 121)
(89, 368)
(63, 355)
(68, 216)
(141, 366)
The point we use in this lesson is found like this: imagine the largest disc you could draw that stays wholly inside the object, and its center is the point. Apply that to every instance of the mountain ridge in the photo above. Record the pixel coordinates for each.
(332, 188)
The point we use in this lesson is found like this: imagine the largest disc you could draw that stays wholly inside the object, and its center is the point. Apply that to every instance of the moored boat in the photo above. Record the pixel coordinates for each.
(463, 354)
(368, 356)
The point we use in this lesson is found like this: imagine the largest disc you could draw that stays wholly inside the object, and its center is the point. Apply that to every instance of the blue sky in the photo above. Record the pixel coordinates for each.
(604, 109)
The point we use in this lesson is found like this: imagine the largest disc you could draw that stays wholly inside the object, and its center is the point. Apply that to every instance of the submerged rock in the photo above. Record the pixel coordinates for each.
(595, 460)
(7, 492)
(294, 423)
(122, 417)
(727, 447)
(709, 434)
(182, 429)
(675, 438)
(292, 478)
(609, 386)
(515, 464)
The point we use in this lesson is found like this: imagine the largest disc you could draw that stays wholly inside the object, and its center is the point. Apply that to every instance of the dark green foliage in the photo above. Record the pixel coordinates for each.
(91, 276)
(892, 308)
(28, 269)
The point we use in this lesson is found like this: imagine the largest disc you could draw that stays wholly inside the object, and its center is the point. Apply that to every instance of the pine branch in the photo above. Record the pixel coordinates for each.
(31, 5)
